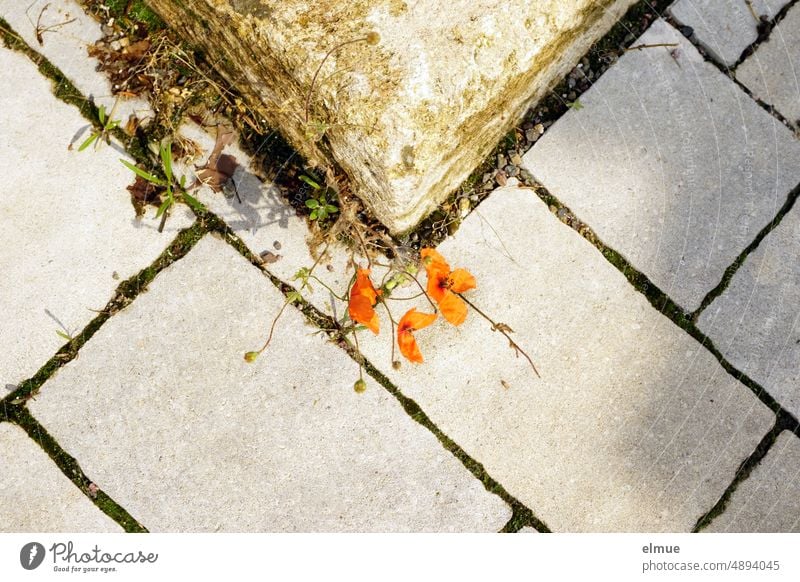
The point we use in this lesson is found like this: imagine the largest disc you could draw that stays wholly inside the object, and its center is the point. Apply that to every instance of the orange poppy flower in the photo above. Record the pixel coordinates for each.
(411, 322)
(362, 300)
(443, 284)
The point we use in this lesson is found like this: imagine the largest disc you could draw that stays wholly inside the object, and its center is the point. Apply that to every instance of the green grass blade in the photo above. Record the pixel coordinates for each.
(142, 173)
(88, 141)
(166, 158)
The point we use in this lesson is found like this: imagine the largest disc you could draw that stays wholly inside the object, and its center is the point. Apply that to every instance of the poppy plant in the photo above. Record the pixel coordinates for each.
(363, 297)
(443, 284)
(409, 323)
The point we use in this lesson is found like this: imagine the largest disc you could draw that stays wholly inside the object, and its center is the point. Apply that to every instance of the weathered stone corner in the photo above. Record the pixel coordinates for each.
(409, 118)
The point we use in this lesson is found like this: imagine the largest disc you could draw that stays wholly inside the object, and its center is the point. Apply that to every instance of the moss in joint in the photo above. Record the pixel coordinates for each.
(71, 469)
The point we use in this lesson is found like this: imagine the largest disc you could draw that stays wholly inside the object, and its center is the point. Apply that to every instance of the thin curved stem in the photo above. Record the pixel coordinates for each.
(502, 328)
(319, 68)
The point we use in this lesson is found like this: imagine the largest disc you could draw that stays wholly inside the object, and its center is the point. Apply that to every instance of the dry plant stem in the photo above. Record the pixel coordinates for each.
(363, 246)
(319, 68)
(752, 10)
(500, 327)
(163, 221)
(639, 47)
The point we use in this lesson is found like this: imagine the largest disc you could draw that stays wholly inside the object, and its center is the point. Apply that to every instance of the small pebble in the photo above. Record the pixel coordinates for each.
(511, 170)
(277, 245)
(501, 179)
(516, 159)
(116, 45)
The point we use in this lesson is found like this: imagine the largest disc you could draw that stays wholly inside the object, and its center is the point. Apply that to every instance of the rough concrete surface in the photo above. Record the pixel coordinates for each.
(725, 28)
(269, 226)
(36, 496)
(634, 426)
(409, 118)
(171, 422)
(768, 501)
(671, 164)
(66, 32)
(755, 323)
(772, 72)
(68, 232)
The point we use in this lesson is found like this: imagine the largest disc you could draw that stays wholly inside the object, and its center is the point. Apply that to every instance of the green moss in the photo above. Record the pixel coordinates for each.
(72, 469)
(745, 469)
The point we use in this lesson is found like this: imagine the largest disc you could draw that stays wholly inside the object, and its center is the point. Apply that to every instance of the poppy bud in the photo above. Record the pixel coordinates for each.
(250, 357)
(360, 386)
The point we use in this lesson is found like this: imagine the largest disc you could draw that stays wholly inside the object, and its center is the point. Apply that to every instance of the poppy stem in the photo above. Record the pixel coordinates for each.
(421, 288)
(332, 292)
(391, 320)
(502, 329)
(272, 327)
(360, 357)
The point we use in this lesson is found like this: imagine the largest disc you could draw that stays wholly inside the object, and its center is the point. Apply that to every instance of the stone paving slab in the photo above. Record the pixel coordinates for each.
(671, 164)
(68, 233)
(725, 28)
(37, 497)
(755, 323)
(267, 223)
(772, 72)
(164, 413)
(66, 47)
(634, 426)
(769, 499)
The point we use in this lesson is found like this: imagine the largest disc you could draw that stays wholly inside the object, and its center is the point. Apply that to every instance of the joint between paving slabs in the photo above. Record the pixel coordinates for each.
(782, 423)
(727, 276)
(660, 300)
(68, 465)
(764, 33)
(521, 515)
(123, 296)
(730, 72)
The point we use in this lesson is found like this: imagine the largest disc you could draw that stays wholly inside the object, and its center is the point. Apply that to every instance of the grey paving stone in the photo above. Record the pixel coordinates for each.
(769, 499)
(772, 72)
(633, 427)
(35, 496)
(266, 223)
(725, 28)
(671, 163)
(755, 323)
(68, 233)
(65, 45)
(165, 414)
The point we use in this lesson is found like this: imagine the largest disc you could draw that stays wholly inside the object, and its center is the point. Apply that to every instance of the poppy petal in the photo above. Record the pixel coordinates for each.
(408, 347)
(363, 286)
(410, 322)
(361, 311)
(432, 258)
(462, 280)
(436, 287)
(453, 308)
(414, 321)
